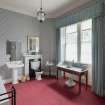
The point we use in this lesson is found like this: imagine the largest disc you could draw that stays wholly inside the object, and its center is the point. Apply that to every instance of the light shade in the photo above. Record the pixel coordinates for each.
(41, 15)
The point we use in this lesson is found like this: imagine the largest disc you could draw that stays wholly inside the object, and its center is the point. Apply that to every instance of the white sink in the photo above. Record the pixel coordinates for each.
(15, 66)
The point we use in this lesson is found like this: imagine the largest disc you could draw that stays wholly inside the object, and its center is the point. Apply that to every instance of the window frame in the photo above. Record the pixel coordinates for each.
(79, 44)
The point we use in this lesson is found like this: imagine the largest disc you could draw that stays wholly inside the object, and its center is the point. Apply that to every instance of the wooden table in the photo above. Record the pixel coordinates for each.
(75, 71)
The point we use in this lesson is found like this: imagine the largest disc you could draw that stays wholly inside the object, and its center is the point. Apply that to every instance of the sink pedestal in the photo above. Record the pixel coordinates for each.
(15, 76)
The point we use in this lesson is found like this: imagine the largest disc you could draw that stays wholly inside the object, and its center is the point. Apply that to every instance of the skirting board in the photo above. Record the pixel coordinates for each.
(83, 81)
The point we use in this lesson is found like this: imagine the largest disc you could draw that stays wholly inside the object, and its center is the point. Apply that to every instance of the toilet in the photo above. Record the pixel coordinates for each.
(38, 75)
(35, 65)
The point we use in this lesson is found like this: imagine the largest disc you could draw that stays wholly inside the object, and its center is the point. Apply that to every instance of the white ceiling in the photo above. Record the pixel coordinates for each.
(53, 8)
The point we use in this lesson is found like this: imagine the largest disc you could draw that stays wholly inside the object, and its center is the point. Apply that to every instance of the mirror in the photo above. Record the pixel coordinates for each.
(32, 44)
(13, 48)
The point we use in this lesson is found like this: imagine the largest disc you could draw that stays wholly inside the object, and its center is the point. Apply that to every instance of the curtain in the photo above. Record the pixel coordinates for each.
(98, 56)
(98, 68)
(90, 10)
(58, 45)
(60, 41)
(96, 12)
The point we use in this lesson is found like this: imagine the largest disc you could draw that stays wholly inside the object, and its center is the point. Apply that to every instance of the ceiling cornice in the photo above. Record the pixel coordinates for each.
(69, 8)
(20, 10)
(55, 14)
(86, 5)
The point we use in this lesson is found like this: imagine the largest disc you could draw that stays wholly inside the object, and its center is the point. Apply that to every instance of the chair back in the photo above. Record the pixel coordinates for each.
(2, 90)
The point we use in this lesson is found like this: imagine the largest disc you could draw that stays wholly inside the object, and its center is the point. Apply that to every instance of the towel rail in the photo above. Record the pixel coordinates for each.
(11, 95)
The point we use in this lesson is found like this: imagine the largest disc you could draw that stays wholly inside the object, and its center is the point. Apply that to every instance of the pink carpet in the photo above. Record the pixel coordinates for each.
(53, 92)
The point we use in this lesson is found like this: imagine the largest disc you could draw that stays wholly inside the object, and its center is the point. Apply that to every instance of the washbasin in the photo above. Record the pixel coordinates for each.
(15, 66)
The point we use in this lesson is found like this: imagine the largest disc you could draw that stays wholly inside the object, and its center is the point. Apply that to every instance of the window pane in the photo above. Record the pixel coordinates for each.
(86, 42)
(86, 24)
(71, 28)
(86, 53)
(71, 43)
(86, 36)
(71, 47)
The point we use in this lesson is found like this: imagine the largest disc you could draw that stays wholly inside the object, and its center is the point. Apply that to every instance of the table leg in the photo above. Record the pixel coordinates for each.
(79, 84)
(64, 75)
(86, 80)
(57, 73)
(49, 72)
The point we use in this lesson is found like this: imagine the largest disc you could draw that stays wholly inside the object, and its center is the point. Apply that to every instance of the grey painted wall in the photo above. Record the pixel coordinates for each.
(15, 26)
(48, 41)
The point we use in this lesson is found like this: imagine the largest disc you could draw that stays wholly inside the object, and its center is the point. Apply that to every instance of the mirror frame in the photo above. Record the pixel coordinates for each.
(32, 41)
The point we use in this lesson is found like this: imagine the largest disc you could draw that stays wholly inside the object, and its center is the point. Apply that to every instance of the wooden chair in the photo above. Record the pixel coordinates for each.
(7, 97)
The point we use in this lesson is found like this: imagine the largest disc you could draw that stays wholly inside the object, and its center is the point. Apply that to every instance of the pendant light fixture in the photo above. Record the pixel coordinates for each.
(41, 15)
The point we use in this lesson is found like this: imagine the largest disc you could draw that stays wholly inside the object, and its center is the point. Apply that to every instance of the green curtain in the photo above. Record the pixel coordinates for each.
(60, 42)
(58, 45)
(98, 56)
(96, 12)
(90, 10)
